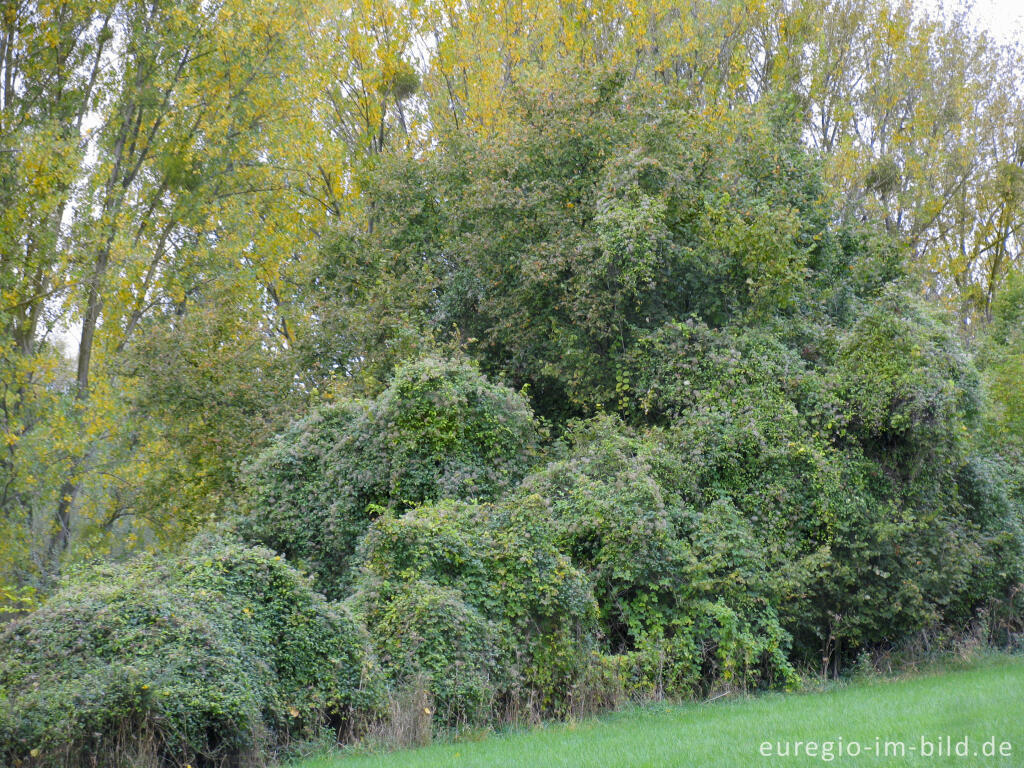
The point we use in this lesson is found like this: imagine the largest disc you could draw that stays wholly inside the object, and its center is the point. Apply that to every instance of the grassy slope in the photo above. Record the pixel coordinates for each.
(982, 701)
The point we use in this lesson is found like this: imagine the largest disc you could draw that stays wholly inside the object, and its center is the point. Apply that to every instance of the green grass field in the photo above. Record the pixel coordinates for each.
(983, 702)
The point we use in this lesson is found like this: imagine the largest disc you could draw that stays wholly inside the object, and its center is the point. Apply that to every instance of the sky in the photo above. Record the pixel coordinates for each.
(1005, 18)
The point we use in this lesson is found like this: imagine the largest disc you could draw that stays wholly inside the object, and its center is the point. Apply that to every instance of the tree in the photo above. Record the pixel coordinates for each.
(911, 109)
(145, 124)
(597, 217)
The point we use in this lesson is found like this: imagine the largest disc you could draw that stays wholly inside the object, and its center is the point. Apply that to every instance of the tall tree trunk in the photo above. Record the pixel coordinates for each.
(61, 538)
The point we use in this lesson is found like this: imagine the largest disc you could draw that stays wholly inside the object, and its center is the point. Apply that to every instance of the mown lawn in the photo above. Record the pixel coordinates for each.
(982, 702)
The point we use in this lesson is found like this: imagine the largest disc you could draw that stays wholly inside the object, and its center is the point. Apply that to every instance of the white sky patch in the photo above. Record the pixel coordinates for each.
(1003, 18)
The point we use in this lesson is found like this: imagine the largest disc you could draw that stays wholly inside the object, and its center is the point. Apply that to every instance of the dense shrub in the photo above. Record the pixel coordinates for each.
(849, 461)
(447, 432)
(767, 453)
(489, 575)
(683, 591)
(1001, 359)
(794, 476)
(687, 366)
(427, 635)
(909, 386)
(802, 418)
(221, 652)
(439, 430)
(985, 486)
(311, 488)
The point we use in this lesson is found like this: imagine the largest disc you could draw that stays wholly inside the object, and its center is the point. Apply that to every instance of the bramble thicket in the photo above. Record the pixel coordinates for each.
(402, 368)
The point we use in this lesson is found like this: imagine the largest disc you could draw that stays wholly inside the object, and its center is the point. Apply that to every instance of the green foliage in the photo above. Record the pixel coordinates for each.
(906, 379)
(706, 239)
(512, 617)
(427, 634)
(797, 478)
(1001, 359)
(220, 652)
(640, 213)
(209, 392)
(848, 458)
(987, 487)
(683, 592)
(439, 430)
(311, 490)
(684, 367)
(449, 433)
